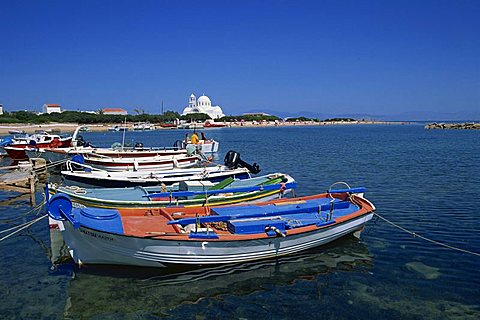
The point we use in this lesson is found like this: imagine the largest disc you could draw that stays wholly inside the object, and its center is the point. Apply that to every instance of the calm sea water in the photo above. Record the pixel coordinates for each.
(426, 181)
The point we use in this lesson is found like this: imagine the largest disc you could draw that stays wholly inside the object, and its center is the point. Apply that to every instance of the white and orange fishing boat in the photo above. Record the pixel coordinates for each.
(160, 237)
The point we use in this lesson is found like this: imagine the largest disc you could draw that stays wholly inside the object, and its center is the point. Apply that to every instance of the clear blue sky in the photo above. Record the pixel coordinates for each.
(375, 57)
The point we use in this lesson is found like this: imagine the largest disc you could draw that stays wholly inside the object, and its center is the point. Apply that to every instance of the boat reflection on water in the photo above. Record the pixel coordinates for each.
(58, 248)
(105, 290)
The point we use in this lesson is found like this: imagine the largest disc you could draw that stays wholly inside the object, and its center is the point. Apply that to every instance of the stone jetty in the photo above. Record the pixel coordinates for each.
(460, 126)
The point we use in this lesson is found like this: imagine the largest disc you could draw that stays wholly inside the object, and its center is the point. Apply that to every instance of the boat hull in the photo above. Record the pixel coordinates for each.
(87, 246)
(209, 146)
(136, 164)
(76, 196)
(59, 154)
(17, 151)
(132, 179)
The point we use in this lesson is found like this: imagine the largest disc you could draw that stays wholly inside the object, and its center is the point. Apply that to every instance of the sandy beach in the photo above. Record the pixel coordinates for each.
(70, 127)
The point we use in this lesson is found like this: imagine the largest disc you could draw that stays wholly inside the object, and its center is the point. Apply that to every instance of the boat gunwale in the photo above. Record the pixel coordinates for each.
(155, 204)
(139, 204)
(366, 208)
(184, 237)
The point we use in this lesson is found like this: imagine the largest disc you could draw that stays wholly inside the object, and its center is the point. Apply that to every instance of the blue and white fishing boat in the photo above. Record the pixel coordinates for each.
(157, 162)
(121, 179)
(186, 193)
(208, 235)
(87, 175)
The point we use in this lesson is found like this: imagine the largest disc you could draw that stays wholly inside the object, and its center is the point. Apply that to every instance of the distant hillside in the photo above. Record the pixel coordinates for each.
(405, 116)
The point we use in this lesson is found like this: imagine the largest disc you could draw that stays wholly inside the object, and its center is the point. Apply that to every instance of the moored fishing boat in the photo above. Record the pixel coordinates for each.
(101, 178)
(204, 235)
(207, 146)
(85, 174)
(14, 131)
(143, 126)
(187, 193)
(141, 163)
(214, 124)
(190, 125)
(203, 145)
(118, 128)
(58, 154)
(168, 125)
(16, 147)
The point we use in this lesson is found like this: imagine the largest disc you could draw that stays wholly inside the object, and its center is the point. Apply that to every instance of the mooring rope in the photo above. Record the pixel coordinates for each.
(22, 227)
(50, 165)
(38, 207)
(56, 163)
(425, 238)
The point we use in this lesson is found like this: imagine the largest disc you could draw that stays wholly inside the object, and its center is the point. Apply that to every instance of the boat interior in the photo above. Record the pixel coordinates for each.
(271, 219)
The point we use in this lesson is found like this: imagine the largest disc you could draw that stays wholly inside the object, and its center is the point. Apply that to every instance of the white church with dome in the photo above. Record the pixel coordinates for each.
(203, 105)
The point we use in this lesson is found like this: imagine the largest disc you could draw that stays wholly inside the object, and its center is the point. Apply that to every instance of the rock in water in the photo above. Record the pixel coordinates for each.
(427, 272)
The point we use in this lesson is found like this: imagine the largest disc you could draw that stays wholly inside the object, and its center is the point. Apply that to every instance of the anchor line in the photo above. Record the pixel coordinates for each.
(22, 227)
(56, 163)
(49, 165)
(414, 234)
(38, 207)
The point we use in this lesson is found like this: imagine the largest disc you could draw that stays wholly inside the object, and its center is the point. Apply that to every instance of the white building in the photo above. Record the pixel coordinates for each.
(50, 108)
(203, 105)
(1, 108)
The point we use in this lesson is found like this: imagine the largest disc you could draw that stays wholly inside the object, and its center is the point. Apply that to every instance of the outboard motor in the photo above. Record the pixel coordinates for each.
(80, 142)
(233, 160)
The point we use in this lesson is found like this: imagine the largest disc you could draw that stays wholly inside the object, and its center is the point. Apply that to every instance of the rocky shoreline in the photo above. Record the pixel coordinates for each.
(457, 126)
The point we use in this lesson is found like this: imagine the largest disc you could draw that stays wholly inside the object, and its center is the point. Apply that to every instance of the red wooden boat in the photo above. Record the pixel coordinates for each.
(16, 149)
(213, 124)
(168, 125)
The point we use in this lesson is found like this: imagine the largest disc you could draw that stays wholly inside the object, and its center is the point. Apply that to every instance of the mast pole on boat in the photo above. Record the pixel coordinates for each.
(124, 129)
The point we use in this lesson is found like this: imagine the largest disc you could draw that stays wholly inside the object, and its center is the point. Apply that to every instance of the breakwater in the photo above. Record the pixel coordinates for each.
(458, 126)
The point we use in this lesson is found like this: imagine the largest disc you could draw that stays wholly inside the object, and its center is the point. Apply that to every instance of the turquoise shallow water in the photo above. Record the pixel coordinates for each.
(426, 181)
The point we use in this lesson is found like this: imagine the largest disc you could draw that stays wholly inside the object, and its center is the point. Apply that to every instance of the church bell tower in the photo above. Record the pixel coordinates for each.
(192, 101)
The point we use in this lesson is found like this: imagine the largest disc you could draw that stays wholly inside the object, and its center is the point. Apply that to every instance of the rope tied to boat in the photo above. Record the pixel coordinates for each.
(54, 163)
(36, 208)
(415, 235)
(21, 227)
(205, 204)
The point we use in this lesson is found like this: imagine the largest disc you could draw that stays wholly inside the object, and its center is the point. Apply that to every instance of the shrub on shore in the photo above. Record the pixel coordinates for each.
(83, 117)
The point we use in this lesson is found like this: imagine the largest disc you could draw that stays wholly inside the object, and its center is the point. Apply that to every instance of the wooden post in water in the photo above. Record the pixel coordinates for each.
(19, 179)
(31, 181)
